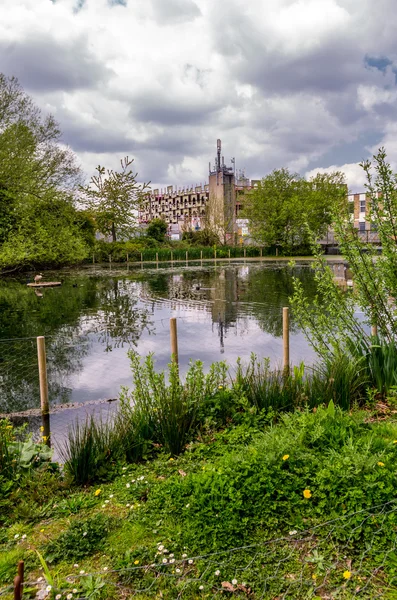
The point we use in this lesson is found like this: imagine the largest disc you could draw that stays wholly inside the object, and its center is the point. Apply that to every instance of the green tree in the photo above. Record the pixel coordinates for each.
(157, 229)
(114, 200)
(283, 202)
(38, 181)
(330, 322)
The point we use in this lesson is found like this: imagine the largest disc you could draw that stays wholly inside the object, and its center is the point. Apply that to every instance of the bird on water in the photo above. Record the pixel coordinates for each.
(38, 278)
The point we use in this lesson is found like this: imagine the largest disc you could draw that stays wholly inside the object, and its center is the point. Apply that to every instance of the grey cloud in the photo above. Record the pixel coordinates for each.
(42, 64)
(165, 111)
(175, 11)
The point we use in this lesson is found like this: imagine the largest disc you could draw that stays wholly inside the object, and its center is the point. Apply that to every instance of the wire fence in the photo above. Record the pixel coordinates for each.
(353, 555)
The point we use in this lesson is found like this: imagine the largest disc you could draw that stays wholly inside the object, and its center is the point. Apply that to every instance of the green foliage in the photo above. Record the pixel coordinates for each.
(114, 200)
(157, 229)
(204, 237)
(82, 538)
(282, 202)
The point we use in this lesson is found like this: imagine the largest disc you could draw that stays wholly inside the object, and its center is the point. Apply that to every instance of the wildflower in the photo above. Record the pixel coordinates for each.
(136, 562)
(124, 468)
(41, 530)
(171, 556)
(111, 496)
(128, 505)
(187, 505)
(16, 536)
(286, 457)
(127, 485)
(220, 387)
(74, 591)
(107, 501)
(234, 581)
(161, 547)
(184, 555)
(41, 428)
(69, 597)
(58, 597)
(39, 579)
(293, 532)
(164, 561)
(24, 536)
(82, 572)
(381, 464)
(314, 576)
(132, 480)
(171, 459)
(347, 574)
(48, 588)
(190, 561)
(97, 492)
(177, 570)
(76, 566)
(105, 568)
(172, 560)
(307, 494)
(143, 477)
(217, 572)
(201, 587)
(103, 505)
(394, 441)
(84, 534)
(165, 551)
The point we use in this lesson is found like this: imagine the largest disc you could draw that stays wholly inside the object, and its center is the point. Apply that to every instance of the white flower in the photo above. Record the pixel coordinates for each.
(161, 547)
(177, 570)
(48, 588)
(190, 561)
(24, 536)
(16, 536)
(128, 505)
(187, 505)
(124, 475)
(142, 477)
(76, 566)
(293, 532)
(58, 597)
(165, 551)
(201, 587)
(127, 485)
(105, 568)
(244, 583)
(111, 496)
(124, 468)
(82, 572)
(39, 579)
(74, 591)
(84, 534)
(234, 581)
(132, 480)
(171, 556)
(164, 561)
(217, 572)
(172, 560)
(107, 501)
(184, 555)
(69, 597)
(103, 505)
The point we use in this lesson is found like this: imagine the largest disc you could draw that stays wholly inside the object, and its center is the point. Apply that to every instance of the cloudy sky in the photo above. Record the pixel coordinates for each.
(305, 84)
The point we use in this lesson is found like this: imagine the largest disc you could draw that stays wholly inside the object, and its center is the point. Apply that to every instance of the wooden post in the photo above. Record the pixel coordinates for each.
(186, 256)
(229, 253)
(174, 340)
(127, 259)
(45, 408)
(374, 331)
(93, 258)
(215, 253)
(141, 257)
(286, 340)
(172, 256)
(18, 581)
(201, 255)
(245, 252)
(157, 257)
(261, 251)
(276, 251)
(110, 261)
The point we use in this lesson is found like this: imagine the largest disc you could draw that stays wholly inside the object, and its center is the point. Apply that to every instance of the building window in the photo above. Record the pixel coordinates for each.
(362, 225)
(362, 206)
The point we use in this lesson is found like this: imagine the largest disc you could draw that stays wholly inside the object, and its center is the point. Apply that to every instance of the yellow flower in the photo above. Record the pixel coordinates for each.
(314, 576)
(97, 492)
(44, 438)
(307, 494)
(286, 457)
(347, 574)
(220, 387)
(41, 428)
(9, 427)
(41, 530)
(136, 562)
(395, 442)
(171, 459)
(381, 464)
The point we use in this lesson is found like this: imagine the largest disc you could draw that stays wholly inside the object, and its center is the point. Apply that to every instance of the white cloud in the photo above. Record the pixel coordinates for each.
(281, 82)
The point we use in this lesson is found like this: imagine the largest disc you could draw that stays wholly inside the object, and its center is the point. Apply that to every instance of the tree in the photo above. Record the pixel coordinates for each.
(330, 322)
(157, 229)
(38, 181)
(114, 201)
(279, 207)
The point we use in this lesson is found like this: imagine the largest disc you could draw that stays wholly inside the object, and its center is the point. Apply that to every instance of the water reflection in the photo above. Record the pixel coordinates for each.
(223, 311)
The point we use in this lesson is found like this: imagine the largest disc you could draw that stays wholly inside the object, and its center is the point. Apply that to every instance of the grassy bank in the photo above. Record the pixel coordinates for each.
(260, 487)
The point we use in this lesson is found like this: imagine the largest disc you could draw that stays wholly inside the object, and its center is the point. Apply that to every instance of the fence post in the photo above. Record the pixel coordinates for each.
(261, 251)
(18, 581)
(93, 258)
(374, 331)
(127, 259)
(245, 252)
(157, 257)
(201, 255)
(174, 340)
(45, 409)
(141, 257)
(215, 253)
(110, 261)
(276, 251)
(286, 340)
(229, 253)
(172, 256)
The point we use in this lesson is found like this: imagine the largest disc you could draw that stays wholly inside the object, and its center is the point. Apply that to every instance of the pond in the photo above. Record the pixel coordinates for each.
(224, 311)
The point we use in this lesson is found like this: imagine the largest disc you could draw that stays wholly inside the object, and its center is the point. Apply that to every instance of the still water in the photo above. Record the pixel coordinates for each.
(224, 311)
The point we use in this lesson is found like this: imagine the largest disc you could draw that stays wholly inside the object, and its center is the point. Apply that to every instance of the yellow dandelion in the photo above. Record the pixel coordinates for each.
(394, 441)
(220, 387)
(41, 530)
(97, 492)
(307, 494)
(347, 574)
(171, 459)
(314, 576)
(41, 428)
(136, 562)
(381, 464)
(286, 457)
(9, 427)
